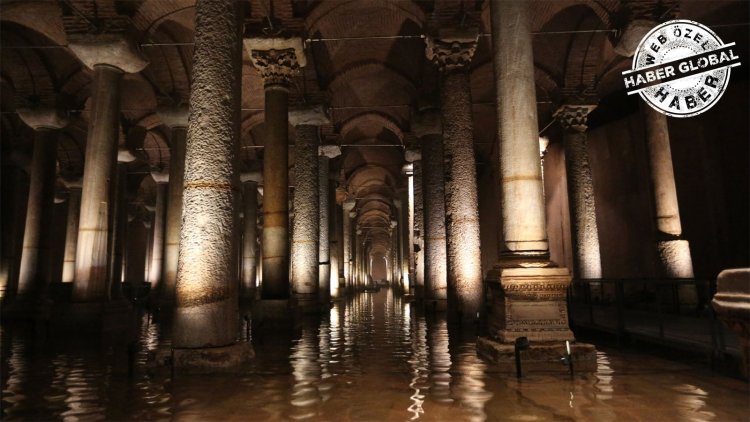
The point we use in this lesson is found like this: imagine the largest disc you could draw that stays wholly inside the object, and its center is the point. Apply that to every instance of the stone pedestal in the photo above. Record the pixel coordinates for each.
(732, 306)
(538, 357)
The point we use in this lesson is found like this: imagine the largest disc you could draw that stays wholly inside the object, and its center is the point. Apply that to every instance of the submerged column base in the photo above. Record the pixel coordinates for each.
(539, 357)
(307, 303)
(436, 305)
(209, 360)
(271, 312)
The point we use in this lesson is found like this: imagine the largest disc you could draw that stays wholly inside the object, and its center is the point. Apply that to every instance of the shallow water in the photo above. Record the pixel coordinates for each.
(372, 358)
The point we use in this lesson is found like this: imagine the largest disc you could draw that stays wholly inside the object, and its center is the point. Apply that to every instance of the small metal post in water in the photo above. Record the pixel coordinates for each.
(522, 343)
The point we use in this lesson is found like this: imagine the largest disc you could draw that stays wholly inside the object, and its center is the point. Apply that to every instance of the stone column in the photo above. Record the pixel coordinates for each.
(305, 233)
(326, 152)
(250, 236)
(348, 208)
(71, 230)
(37, 245)
(206, 308)
(109, 56)
(673, 251)
(452, 51)
(414, 156)
(529, 295)
(156, 273)
(403, 262)
(395, 268)
(278, 60)
(587, 259)
(176, 119)
(118, 225)
(428, 127)
(408, 171)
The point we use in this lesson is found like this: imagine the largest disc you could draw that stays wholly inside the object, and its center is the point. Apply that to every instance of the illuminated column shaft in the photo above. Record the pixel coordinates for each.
(324, 239)
(206, 313)
(119, 232)
(91, 280)
(402, 276)
(348, 206)
(157, 248)
(249, 239)
(674, 252)
(580, 191)
(522, 196)
(71, 232)
(176, 118)
(409, 234)
(278, 61)
(453, 54)
(429, 128)
(37, 243)
(418, 230)
(306, 216)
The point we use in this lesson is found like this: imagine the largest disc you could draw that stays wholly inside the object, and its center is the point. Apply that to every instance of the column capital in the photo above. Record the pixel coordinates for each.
(408, 169)
(573, 117)
(160, 177)
(277, 59)
(111, 49)
(251, 176)
(314, 115)
(412, 154)
(452, 49)
(125, 154)
(73, 183)
(330, 151)
(427, 122)
(43, 118)
(173, 116)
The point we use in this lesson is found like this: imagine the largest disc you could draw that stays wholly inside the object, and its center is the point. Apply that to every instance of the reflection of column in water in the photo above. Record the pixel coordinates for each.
(84, 400)
(468, 386)
(16, 373)
(440, 360)
(306, 372)
(419, 367)
(324, 358)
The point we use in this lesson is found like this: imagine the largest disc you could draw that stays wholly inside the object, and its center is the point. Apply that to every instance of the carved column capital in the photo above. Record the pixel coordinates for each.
(573, 118)
(277, 59)
(110, 49)
(452, 49)
(43, 118)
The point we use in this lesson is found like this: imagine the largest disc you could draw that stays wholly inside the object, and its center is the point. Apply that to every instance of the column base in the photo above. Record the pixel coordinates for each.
(307, 304)
(93, 317)
(531, 303)
(435, 305)
(539, 357)
(210, 360)
(271, 312)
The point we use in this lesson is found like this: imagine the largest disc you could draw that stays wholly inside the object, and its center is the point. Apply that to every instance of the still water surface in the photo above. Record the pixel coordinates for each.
(373, 358)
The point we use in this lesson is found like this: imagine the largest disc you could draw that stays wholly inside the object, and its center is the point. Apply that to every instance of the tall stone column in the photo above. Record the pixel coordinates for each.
(278, 60)
(118, 225)
(408, 171)
(176, 119)
(528, 297)
(71, 230)
(250, 236)
(428, 127)
(325, 153)
(37, 245)
(348, 209)
(109, 56)
(580, 190)
(673, 251)
(452, 52)
(414, 156)
(157, 249)
(402, 278)
(206, 308)
(305, 233)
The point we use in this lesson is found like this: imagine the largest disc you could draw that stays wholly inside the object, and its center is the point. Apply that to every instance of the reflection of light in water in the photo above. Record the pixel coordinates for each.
(468, 387)
(603, 377)
(83, 395)
(306, 372)
(690, 403)
(14, 391)
(440, 362)
(418, 365)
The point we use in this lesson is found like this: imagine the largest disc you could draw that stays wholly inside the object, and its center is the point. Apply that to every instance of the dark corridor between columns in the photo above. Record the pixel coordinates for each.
(373, 357)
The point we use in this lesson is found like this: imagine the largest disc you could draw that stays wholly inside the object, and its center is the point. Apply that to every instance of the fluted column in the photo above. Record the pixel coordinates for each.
(673, 251)
(156, 273)
(428, 127)
(250, 236)
(71, 231)
(452, 51)
(35, 256)
(587, 258)
(326, 152)
(206, 306)
(110, 57)
(278, 60)
(176, 119)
